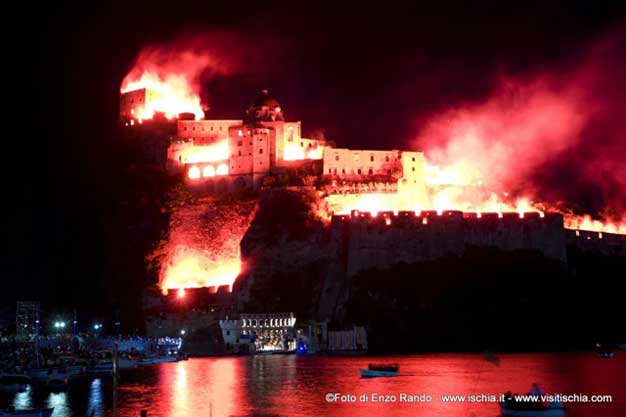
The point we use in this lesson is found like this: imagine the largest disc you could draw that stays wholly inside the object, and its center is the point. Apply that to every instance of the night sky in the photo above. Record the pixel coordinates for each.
(366, 76)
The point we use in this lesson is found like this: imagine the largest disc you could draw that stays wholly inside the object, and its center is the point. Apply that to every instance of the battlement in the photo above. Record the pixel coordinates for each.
(432, 217)
(597, 242)
(378, 240)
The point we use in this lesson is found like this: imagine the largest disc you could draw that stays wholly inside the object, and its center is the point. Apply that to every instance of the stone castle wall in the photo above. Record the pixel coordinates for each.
(364, 241)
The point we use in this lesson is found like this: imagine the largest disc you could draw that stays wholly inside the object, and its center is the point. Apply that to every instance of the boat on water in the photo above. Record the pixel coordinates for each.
(127, 363)
(32, 412)
(151, 360)
(14, 382)
(56, 383)
(380, 370)
(46, 374)
(523, 410)
(104, 366)
(607, 354)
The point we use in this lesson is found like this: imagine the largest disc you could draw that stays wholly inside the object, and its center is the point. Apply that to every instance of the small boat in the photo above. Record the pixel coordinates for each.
(14, 382)
(607, 354)
(151, 360)
(104, 366)
(46, 374)
(32, 412)
(551, 410)
(56, 383)
(380, 370)
(127, 363)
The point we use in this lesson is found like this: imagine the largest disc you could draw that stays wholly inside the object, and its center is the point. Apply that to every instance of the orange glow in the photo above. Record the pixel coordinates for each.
(190, 268)
(214, 152)
(222, 169)
(181, 293)
(587, 223)
(194, 173)
(208, 171)
(462, 190)
(294, 152)
(171, 95)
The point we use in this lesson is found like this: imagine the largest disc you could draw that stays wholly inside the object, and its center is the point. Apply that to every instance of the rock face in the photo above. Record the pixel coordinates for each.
(285, 253)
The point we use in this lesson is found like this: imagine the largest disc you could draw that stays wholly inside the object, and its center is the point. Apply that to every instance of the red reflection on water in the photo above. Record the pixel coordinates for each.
(297, 386)
(209, 387)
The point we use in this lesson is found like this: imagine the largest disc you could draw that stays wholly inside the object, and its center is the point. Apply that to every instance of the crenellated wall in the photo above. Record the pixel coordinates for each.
(597, 242)
(365, 241)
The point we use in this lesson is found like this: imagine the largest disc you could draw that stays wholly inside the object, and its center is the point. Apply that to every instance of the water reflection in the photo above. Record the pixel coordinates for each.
(296, 386)
(23, 399)
(95, 404)
(58, 401)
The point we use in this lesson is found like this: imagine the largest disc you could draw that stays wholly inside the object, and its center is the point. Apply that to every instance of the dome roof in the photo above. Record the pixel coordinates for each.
(264, 109)
(265, 100)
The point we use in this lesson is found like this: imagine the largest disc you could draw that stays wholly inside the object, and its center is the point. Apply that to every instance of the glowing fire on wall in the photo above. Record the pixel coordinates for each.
(172, 95)
(295, 152)
(191, 268)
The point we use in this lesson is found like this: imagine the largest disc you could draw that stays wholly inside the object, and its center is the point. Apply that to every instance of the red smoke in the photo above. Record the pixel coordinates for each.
(558, 135)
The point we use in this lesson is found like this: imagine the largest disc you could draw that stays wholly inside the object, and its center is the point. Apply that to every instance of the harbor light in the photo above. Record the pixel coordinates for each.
(182, 332)
(97, 326)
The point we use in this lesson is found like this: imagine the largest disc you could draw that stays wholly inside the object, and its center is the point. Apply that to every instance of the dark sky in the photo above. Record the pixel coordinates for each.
(365, 75)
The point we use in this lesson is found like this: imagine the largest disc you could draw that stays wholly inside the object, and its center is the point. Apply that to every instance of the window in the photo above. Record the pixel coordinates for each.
(413, 159)
(370, 171)
(240, 133)
(302, 144)
(336, 157)
(371, 158)
(239, 143)
(261, 151)
(220, 128)
(358, 171)
(343, 171)
(185, 128)
(330, 171)
(239, 153)
(413, 169)
(387, 158)
(211, 128)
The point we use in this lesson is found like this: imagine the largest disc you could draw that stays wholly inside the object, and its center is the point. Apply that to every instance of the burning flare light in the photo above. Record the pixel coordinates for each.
(191, 268)
(173, 95)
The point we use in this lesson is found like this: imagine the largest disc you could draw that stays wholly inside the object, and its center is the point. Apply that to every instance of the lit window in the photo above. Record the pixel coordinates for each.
(240, 133)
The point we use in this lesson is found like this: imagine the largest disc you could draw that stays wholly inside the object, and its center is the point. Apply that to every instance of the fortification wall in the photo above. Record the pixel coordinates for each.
(365, 241)
(597, 242)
